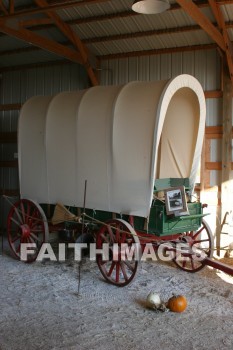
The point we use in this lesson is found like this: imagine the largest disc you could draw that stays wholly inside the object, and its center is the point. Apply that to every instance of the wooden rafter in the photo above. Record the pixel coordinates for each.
(26, 10)
(11, 7)
(35, 22)
(53, 7)
(222, 26)
(193, 11)
(73, 37)
(158, 51)
(183, 29)
(42, 42)
(3, 8)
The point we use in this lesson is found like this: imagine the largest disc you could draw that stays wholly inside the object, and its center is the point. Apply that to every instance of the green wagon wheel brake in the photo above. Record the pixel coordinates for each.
(196, 246)
(120, 268)
(26, 223)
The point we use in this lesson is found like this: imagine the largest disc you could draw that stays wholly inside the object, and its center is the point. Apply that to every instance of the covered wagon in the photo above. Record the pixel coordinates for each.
(129, 144)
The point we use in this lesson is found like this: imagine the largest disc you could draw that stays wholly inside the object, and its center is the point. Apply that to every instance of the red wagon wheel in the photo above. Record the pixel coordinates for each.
(120, 268)
(196, 246)
(26, 223)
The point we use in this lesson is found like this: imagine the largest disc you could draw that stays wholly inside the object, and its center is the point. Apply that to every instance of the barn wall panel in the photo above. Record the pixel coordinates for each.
(18, 86)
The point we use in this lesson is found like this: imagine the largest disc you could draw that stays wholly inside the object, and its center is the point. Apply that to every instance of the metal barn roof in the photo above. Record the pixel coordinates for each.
(34, 32)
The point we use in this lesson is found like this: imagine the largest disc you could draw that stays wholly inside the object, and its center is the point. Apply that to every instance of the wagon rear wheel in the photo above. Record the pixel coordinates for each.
(124, 252)
(26, 223)
(196, 246)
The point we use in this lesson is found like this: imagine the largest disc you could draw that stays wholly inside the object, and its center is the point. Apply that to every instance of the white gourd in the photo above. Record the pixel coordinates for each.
(153, 300)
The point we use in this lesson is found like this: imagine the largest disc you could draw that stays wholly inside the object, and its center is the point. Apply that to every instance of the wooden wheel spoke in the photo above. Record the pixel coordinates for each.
(124, 271)
(117, 234)
(111, 234)
(123, 237)
(18, 249)
(34, 222)
(103, 262)
(198, 232)
(15, 222)
(18, 215)
(192, 263)
(27, 213)
(104, 237)
(111, 269)
(37, 231)
(201, 241)
(22, 211)
(117, 272)
(184, 263)
(16, 238)
(127, 263)
(34, 237)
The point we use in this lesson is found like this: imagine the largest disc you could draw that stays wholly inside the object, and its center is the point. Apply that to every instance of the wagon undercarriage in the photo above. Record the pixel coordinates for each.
(191, 250)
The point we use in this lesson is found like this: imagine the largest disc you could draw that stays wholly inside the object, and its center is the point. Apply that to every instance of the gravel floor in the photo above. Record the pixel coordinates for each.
(40, 308)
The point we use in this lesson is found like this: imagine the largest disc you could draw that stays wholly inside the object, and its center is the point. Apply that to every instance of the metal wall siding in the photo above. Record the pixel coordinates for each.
(17, 87)
(204, 65)
(215, 178)
(216, 150)
(213, 111)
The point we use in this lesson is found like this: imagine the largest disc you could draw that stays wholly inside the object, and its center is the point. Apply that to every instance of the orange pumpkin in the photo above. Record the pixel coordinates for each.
(177, 303)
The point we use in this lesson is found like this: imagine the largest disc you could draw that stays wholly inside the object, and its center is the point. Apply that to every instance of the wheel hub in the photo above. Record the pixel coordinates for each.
(25, 229)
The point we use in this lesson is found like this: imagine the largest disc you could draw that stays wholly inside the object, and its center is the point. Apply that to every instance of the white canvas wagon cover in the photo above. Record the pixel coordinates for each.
(118, 138)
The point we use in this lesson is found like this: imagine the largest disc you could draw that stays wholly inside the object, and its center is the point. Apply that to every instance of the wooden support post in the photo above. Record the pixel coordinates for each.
(227, 173)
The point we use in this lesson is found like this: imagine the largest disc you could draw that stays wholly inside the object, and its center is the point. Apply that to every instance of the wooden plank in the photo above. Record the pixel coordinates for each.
(214, 129)
(228, 45)
(8, 137)
(216, 166)
(215, 132)
(207, 159)
(213, 94)
(213, 136)
(42, 42)
(9, 164)
(3, 8)
(12, 6)
(158, 51)
(10, 193)
(74, 39)
(56, 6)
(213, 165)
(35, 22)
(10, 107)
(193, 11)
(227, 173)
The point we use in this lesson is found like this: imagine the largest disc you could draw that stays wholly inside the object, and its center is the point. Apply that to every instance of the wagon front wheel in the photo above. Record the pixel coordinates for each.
(26, 223)
(124, 251)
(196, 246)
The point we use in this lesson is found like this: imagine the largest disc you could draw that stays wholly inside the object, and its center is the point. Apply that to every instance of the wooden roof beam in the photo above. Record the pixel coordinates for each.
(222, 26)
(12, 6)
(157, 52)
(3, 8)
(42, 42)
(193, 11)
(59, 5)
(74, 39)
(53, 7)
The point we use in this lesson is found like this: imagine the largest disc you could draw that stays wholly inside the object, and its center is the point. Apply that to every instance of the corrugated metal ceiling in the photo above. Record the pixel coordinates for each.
(111, 28)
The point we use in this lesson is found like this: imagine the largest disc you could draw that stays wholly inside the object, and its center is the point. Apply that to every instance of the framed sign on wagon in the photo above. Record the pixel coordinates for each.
(175, 201)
